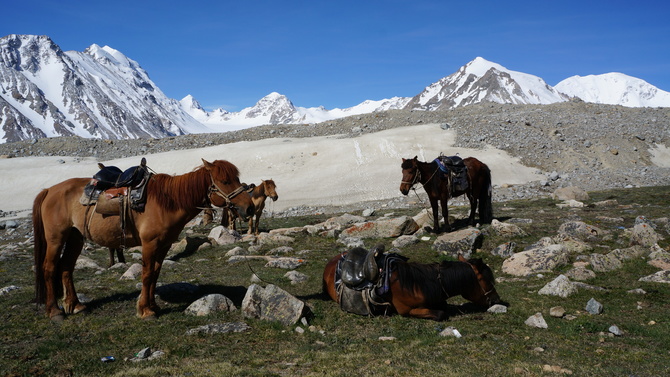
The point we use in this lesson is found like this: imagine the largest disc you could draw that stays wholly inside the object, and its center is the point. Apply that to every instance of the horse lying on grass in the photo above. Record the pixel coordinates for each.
(369, 283)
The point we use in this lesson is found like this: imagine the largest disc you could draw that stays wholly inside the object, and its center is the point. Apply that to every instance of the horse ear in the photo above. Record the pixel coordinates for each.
(207, 164)
(461, 258)
(416, 158)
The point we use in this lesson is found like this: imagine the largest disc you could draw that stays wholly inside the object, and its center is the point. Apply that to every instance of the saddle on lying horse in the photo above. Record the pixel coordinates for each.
(455, 167)
(362, 279)
(117, 186)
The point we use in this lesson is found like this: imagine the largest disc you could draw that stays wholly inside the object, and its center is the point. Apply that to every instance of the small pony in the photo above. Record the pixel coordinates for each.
(410, 289)
(267, 189)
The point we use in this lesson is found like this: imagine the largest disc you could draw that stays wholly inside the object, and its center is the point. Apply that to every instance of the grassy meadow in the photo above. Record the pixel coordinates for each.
(342, 344)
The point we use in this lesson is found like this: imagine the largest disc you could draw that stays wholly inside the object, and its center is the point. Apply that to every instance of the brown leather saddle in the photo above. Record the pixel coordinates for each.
(361, 279)
(111, 186)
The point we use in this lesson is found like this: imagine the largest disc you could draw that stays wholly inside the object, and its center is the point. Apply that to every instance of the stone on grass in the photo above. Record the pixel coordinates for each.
(536, 320)
(594, 307)
(463, 242)
(272, 304)
(561, 286)
(210, 304)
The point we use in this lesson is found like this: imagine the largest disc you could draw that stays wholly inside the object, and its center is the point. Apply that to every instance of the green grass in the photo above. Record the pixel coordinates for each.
(492, 344)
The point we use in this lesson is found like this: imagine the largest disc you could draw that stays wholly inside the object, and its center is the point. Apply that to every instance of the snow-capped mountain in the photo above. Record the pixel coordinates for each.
(101, 93)
(96, 93)
(481, 80)
(276, 108)
(614, 89)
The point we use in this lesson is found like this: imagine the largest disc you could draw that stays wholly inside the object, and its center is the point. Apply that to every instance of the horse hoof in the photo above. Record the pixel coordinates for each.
(150, 317)
(58, 318)
(80, 309)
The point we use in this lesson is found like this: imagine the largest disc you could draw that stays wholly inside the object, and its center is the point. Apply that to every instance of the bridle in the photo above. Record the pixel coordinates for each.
(215, 189)
(482, 283)
(417, 177)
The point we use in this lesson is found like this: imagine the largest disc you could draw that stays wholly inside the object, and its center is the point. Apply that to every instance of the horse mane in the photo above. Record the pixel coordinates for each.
(424, 277)
(186, 191)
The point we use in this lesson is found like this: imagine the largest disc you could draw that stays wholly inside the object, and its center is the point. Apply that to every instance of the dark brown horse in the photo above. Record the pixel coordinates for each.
(429, 175)
(61, 225)
(421, 290)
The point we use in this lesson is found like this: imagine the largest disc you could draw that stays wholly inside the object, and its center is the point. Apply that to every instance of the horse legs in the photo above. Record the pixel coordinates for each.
(419, 312)
(152, 260)
(436, 218)
(445, 213)
(73, 246)
(473, 209)
(51, 272)
(119, 255)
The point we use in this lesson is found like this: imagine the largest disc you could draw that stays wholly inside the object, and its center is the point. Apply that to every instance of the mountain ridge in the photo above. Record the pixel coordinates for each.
(101, 93)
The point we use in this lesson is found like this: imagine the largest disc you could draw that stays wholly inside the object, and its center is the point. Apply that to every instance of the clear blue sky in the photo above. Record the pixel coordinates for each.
(339, 53)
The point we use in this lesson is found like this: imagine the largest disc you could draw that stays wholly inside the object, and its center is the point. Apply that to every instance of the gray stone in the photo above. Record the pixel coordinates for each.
(604, 263)
(296, 277)
(132, 273)
(272, 304)
(497, 308)
(614, 329)
(594, 307)
(540, 259)
(504, 250)
(287, 263)
(86, 262)
(451, 331)
(223, 236)
(404, 241)
(464, 242)
(557, 311)
(220, 328)
(658, 277)
(210, 304)
(644, 234)
(537, 320)
(561, 286)
(579, 230)
(383, 228)
(580, 273)
(507, 230)
(570, 193)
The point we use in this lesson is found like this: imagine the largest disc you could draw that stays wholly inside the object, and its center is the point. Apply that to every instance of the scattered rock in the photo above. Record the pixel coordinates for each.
(561, 286)
(464, 242)
(272, 304)
(451, 331)
(594, 307)
(536, 320)
(220, 328)
(210, 304)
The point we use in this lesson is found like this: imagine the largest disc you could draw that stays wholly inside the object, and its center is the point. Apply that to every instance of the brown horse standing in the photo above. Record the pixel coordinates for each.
(479, 189)
(267, 189)
(61, 225)
(421, 290)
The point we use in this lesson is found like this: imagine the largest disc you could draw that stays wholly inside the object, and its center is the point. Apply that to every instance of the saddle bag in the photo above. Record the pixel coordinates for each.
(111, 203)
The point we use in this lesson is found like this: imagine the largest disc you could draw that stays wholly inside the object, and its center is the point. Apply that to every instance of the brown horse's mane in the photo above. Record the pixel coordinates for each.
(186, 191)
(424, 277)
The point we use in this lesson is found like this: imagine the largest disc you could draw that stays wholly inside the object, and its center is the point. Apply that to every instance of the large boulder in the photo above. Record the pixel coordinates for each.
(394, 227)
(272, 304)
(541, 258)
(464, 242)
(570, 193)
(209, 304)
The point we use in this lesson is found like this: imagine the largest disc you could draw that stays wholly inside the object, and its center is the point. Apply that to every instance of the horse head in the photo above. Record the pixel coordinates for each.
(410, 174)
(485, 293)
(226, 188)
(271, 189)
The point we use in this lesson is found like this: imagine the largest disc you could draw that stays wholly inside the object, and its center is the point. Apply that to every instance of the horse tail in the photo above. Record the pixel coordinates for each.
(486, 198)
(40, 247)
